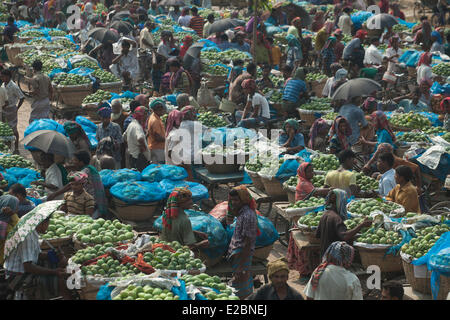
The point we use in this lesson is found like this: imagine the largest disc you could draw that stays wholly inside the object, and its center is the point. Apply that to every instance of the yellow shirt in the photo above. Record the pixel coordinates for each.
(341, 179)
(12, 223)
(406, 196)
(276, 55)
(321, 38)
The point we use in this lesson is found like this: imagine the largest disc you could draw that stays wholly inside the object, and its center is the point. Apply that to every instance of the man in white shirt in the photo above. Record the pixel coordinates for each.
(126, 65)
(373, 57)
(391, 55)
(257, 108)
(345, 22)
(145, 37)
(135, 138)
(326, 92)
(387, 178)
(3, 101)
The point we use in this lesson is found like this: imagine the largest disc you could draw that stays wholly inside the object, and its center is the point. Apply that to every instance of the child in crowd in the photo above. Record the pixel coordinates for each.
(17, 190)
(78, 201)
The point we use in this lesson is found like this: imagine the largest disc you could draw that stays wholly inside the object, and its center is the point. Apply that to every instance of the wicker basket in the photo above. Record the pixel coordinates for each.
(376, 256)
(290, 192)
(444, 288)
(74, 95)
(115, 87)
(262, 253)
(136, 212)
(274, 189)
(91, 110)
(256, 179)
(317, 87)
(309, 234)
(421, 285)
(309, 116)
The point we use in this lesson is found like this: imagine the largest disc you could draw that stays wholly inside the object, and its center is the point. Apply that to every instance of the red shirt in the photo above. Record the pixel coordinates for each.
(196, 24)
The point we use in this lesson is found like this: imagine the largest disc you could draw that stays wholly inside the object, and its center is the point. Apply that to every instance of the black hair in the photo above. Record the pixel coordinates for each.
(210, 17)
(388, 158)
(288, 69)
(234, 193)
(10, 19)
(405, 172)
(7, 72)
(133, 105)
(238, 62)
(194, 10)
(374, 39)
(126, 44)
(347, 9)
(395, 289)
(423, 18)
(344, 155)
(251, 67)
(17, 188)
(48, 157)
(270, 40)
(37, 65)
(265, 66)
(83, 156)
(174, 63)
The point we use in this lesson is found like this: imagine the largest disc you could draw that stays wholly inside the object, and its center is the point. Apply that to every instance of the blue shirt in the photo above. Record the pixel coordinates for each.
(292, 90)
(387, 182)
(298, 140)
(354, 116)
(408, 106)
(383, 136)
(245, 47)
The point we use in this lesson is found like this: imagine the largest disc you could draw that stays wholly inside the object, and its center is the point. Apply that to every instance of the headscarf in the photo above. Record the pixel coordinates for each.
(293, 123)
(329, 41)
(425, 59)
(275, 266)
(141, 99)
(340, 74)
(304, 186)
(316, 127)
(188, 110)
(342, 136)
(361, 34)
(187, 42)
(249, 84)
(78, 176)
(339, 253)
(442, 105)
(293, 41)
(341, 203)
(173, 119)
(337, 32)
(245, 198)
(178, 196)
(104, 112)
(295, 20)
(140, 114)
(367, 103)
(300, 74)
(157, 102)
(8, 201)
(72, 127)
(437, 35)
(382, 122)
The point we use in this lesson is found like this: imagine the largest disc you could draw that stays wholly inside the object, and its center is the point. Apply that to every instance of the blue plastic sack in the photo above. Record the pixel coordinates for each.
(43, 124)
(10, 178)
(440, 265)
(268, 232)
(172, 98)
(359, 18)
(410, 25)
(111, 177)
(406, 55)
(104, 293)
(436, 88)
(35, 201)
(198, 190)
(133, 192)
(54, 72)
(158, 172)
(24, 176)
(271, 30)
(106, 176)
(287, 170)
(81, 71)
(208, 43)
(305, 155)
(181, 290)
(433, 117)
(247, 179)
(413, 59)
(88, 125)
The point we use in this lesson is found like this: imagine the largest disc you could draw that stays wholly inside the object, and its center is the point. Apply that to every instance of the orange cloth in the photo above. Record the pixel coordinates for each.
(276, 55)
(406, 196)
(155, 125)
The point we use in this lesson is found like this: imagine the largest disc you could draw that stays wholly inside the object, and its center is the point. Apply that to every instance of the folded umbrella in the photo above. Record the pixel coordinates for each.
(104, 35)
(381, 21)
(50, 141)
(356, 88)
(168, 3)
(123, 27)
(225, 24)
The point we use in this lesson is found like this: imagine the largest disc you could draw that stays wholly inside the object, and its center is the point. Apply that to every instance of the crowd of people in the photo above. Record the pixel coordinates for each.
(360, 136)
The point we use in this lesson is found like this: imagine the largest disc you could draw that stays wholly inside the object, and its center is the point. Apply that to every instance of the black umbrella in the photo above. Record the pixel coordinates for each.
(50, 141)
(168, 3)
(381, 21)
(123, 27)
(104, 35)
(356, 88)
(292, 11)
(121, 15)
(192, 53)
(225, 24)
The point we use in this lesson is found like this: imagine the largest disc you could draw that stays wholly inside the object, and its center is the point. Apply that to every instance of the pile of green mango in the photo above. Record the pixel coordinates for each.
(15, 160)
(105, 76)
(5, 130)
(412, 137)
(276, 96)
(410, 120)
(318, 180)
(110, 268)
(426, 238)
(99, 96)
(434, 130)
(442, 69)
(312, 219)
(68, 79)
(380, 236)
(330, 116)
(86, 63)
(354, 222)
(325, 162)
(254, 167)
(292, 181)
(204, 281)
(89, 253)
(66, 43)
(319, 104)
(57, 33)
(310, 77)
(367, 206)
(61, 226)
(366, 183)
(311, 202)
(147, 292)
(216, 70)
(40, 41)
(400, 28)
(4, 148)
(446, 137)
(211, 120)
(31, 34)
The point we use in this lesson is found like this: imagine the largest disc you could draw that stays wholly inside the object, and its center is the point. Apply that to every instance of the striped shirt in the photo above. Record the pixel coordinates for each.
(26, 251)
(196, 24)
(292, 90)
(79, 204)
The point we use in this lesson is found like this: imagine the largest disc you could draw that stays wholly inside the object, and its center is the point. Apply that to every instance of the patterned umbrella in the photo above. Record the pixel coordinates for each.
(28, 224)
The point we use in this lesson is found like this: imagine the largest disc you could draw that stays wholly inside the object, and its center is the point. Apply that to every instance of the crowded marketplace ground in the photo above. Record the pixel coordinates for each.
(147, 157)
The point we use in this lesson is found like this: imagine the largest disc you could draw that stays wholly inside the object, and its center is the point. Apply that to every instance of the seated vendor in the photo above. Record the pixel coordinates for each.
(305, 188)
(404, 193)
(291, 138)
(78, 201)
(176, 223)
(412, 102)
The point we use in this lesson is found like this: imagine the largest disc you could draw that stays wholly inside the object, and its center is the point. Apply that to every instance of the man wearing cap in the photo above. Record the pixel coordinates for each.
(277, 289)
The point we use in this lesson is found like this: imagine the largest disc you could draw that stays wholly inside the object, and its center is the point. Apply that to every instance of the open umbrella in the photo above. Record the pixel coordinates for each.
(50, 141)
(28, 224)
(104, 35)
(168, 3)
(123, 27)
(121, 15)
(225, 24)
(192, 53)
(356, 88)
(292, 11)
(381, 21)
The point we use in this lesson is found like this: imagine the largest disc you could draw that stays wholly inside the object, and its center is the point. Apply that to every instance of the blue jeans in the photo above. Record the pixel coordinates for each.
(249, 122)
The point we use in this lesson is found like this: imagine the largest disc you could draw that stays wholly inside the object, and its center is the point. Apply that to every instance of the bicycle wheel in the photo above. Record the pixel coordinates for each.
(23, 85)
